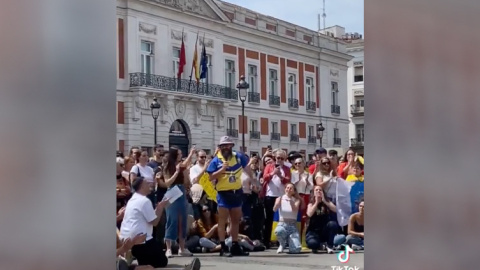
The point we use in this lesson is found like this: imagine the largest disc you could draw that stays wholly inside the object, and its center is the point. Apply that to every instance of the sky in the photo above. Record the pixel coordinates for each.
(346, 13)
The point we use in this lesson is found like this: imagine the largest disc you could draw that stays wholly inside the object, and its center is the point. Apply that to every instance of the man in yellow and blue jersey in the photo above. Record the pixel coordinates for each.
(226, 169)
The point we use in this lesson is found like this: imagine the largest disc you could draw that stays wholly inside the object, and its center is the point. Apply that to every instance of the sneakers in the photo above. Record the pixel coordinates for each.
(237, 250)
(184, 253)
(280, 249)
(168, 253)
(225, 253)
(194, 265)
(356, 247)
(329, 250)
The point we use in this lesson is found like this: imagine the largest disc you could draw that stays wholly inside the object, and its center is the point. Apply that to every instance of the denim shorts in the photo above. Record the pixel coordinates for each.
(230, 198)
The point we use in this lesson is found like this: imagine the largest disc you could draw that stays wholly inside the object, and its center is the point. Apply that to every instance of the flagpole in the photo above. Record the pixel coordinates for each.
(179, 81)
(191, 72)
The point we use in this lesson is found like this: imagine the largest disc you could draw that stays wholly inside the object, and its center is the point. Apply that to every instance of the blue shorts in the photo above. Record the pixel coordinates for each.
(230, 198)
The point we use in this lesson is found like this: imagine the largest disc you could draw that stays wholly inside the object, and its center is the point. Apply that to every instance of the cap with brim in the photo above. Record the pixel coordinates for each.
(320, 150)
(225, 140)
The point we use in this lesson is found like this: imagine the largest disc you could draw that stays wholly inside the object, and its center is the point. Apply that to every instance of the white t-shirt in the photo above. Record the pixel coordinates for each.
(288, 164)
(330, 188)
(195, 172)
(275, 188)
(145, 171)
(285, 211)
(139, 213)
(300, 182)
(246, 184)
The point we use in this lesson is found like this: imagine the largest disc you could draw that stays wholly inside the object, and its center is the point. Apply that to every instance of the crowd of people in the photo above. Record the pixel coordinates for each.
(258, 199)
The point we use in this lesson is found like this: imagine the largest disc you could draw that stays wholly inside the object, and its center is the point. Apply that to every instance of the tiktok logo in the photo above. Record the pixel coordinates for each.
(344, 256)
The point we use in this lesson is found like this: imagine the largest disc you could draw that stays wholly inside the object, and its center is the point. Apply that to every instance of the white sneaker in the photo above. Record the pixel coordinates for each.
(280, 249)
(356, 247)
(168, 253)
(185, 253)
(329, 250)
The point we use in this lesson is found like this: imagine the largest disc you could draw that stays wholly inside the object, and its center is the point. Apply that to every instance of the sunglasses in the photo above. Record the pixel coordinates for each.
(202, 157)
(298, 163)
(326, 163)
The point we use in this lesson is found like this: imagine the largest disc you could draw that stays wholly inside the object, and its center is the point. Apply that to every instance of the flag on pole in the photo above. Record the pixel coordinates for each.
(203, 62)
(183, 59)
(349, 195)
(195, 63)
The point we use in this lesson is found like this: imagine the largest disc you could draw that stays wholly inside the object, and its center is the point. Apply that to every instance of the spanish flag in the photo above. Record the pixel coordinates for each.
(196, 63)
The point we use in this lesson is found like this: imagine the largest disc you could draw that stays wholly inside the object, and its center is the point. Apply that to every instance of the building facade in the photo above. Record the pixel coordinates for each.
(297, 77)
(356, 97)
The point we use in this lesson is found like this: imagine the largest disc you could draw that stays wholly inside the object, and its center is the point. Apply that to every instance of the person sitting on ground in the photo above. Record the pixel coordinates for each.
(356, 234)
(288, 206)
(323, 225)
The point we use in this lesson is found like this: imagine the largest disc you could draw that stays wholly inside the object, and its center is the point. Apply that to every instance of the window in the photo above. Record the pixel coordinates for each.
(360, 103)
(176, 62)
(336, 133)
(291, 86)
(230, 74)
(311, 131)
(309, 86)
(273, 79)
(146, 57)
(359, 131)
(231, 123)
(334, 93)
(293, 129)
(358, 75)
(252, 78)
(274, 127)
(254, 125)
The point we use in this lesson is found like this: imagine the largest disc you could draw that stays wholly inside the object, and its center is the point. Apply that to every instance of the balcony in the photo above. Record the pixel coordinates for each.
(182, 86)
(255, 135)
(253, 97)
(294, 138)
(311, 106)
(275, 136)
(355, 143)
(357, 111)
(312, 139)
(232, 133)
(293, 103)
(274, 100)
(335, 109)
(337, 141)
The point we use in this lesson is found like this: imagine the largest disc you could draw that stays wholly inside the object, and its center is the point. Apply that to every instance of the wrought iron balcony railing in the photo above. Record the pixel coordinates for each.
(182, 86)
(293, 103)
(232, 133)
(335, 109)
(255, 135)
(312, 139)
(356, 143)
(274, 100)
(337, 141)
(311, 106)
(253, 97)
(357, 111)
(275, 136)
(294, 138)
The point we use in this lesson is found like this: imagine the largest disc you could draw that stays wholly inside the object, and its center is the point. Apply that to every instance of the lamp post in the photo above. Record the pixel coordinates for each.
(242, 94)
(155, 108)
(320, 130)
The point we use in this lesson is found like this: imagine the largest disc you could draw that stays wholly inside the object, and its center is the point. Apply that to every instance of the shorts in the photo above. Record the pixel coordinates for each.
(230, 198)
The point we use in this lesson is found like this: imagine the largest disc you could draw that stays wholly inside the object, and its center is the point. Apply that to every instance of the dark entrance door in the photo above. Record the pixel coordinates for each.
(178, 136)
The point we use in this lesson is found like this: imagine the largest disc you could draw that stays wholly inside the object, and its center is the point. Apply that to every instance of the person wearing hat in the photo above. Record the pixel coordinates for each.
(226, 168)
(319, 154)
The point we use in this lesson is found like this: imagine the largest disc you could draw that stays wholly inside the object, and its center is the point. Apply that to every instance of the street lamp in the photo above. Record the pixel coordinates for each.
(242, 93)
(320, 130)
(155, 108)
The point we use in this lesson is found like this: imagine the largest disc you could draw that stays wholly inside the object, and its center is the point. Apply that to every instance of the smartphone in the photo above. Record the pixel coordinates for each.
(269, 147)
(194, 146)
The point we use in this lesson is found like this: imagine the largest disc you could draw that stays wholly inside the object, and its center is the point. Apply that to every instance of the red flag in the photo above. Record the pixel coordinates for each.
(183, 59)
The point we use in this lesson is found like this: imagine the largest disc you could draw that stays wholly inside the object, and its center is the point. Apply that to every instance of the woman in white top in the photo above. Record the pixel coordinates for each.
(145, 171)
(326, 179)
(303, 184)
(288, 206)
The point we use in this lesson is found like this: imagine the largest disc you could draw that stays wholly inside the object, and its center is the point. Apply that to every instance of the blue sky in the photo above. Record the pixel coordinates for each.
(346, 13)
